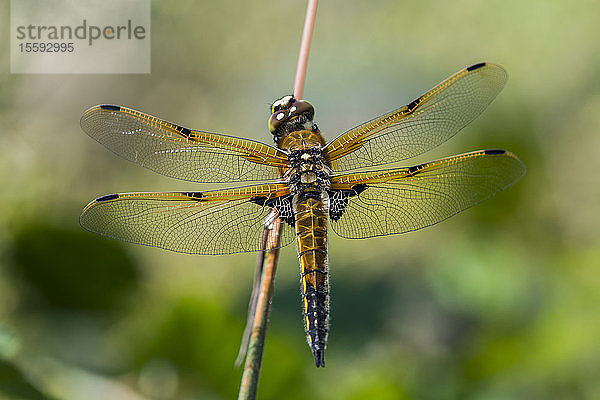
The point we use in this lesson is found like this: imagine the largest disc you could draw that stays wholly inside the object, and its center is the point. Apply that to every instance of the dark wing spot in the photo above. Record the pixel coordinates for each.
(283, 205)
(107, 197)
(194, 195)
(110, 107)
(184, 131)
(358, 189)
(338, 200)
(413, 104)
(475, 66)
(494, 152)
(260, 200)
(415, 168)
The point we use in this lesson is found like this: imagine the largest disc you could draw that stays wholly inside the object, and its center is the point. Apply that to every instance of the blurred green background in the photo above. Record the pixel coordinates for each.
(500, 302)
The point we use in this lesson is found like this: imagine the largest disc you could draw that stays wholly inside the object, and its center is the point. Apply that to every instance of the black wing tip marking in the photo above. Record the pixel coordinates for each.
(183, 130)
(494, 152)
(110, 107)
(107, 197)
(476, 66)
(194, 195)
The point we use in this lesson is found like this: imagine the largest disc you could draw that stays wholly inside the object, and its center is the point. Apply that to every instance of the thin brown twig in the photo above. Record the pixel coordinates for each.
(249, 385)
(260, 261)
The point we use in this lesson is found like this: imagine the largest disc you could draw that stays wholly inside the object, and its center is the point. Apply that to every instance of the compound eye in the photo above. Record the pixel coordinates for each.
(276, 119)
(302, 107)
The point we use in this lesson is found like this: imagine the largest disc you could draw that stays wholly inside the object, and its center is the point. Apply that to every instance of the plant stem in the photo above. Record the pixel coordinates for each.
(260, 261)
(256, 344)
(309, 24)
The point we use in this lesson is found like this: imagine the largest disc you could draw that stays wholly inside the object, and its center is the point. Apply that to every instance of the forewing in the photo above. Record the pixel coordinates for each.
(420, 126)
(179, 152)
(212, 222)
(406, 199)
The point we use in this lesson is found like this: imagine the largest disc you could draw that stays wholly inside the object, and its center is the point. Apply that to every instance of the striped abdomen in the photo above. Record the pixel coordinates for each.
(311, 231)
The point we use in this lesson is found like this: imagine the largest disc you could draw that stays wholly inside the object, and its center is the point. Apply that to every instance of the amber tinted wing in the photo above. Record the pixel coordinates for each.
(405, 199)
(422, 125)
(211, 222)
(179, 152)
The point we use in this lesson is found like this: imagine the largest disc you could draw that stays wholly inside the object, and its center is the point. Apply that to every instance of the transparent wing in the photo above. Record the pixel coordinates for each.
(406, 199)
(422, 125)
(211, 222)
(179, 152)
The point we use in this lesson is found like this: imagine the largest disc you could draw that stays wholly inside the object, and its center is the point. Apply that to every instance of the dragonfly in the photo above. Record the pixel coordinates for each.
(312, 186)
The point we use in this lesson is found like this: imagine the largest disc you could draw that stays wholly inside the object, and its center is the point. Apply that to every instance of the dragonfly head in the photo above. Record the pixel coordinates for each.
(288, 115)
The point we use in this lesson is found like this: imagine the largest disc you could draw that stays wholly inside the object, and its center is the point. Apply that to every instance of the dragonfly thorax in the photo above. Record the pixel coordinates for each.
(308, 171)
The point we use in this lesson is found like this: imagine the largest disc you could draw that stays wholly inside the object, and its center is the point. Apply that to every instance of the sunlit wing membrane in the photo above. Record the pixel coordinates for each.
(179, 152)
(212, 222)
(406, 199)
(420, 126)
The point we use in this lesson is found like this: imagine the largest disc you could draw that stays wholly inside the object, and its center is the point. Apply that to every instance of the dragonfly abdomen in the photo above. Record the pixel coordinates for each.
(311, 231)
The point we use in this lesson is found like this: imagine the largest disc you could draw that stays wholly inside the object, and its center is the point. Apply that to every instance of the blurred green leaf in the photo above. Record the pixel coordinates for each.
(72, 269)
(15, 385)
